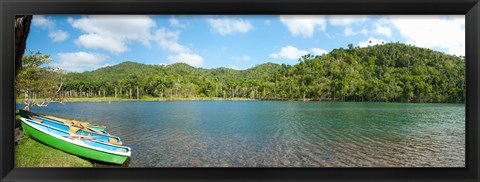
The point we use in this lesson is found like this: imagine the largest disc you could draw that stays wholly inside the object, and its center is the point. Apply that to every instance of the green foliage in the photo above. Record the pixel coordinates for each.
(391, 72)
(31, 74)
(35, 81)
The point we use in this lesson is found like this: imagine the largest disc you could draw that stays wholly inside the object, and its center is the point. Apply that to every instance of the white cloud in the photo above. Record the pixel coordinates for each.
(370, 42)
(191, 59)
(304, 25)
(42, 22)
(289, 52)
(433, 31)
(345, 20)
(459, 51)
(383, 30)
(58, 35)
(318, 51)
(349, 32)
(169, 41)
(176, 23)
(79, 61)
(240, 58)
(95, 41)
(47, 24)
(228, 26)
(113, 33)
(119, 29)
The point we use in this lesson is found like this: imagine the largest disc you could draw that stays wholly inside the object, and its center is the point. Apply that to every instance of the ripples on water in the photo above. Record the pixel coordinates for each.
(280, 134)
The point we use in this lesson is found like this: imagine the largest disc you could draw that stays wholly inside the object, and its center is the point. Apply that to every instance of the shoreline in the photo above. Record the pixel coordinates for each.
(163, 99)
(156, 99)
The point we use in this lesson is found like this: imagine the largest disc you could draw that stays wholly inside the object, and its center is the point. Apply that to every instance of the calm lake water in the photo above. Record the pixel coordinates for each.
(280, 133)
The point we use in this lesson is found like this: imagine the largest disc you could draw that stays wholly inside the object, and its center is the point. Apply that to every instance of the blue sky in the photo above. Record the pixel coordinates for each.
(84, 43)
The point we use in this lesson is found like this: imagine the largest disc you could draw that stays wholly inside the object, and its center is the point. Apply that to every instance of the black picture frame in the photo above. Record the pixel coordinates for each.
(469, 8)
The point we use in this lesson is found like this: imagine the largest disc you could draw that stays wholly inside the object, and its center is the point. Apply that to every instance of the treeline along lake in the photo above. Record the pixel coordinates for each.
(391, 72)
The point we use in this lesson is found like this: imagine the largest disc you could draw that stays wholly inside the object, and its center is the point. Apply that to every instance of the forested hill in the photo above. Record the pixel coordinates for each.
(387, 72)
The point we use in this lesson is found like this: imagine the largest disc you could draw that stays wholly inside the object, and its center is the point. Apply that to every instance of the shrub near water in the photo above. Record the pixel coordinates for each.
(31, 153)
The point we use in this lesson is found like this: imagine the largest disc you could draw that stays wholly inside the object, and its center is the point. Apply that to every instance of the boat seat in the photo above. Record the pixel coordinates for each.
(78, 124)
(85, 129)
(33, 119)
(73, 129)
(75, 137)
(113, 141)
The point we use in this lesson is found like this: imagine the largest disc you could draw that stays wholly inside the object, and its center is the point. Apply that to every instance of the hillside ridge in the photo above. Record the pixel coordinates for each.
(385, 72)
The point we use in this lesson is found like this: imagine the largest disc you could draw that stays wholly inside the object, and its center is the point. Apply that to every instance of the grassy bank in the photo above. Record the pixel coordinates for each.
(31, 153)
(159, 99)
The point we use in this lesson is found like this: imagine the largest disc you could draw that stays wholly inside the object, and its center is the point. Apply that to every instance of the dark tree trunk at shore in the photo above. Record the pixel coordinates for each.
(22, 27)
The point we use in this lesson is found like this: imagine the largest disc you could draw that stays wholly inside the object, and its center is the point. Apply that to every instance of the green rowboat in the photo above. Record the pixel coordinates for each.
(83, 146)
(101, 136)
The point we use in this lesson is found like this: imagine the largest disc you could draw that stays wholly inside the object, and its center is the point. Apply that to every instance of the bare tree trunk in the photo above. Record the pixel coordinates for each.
(27, 100)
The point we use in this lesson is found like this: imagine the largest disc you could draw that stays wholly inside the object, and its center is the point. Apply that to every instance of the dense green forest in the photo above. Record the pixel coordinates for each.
(391, 72)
